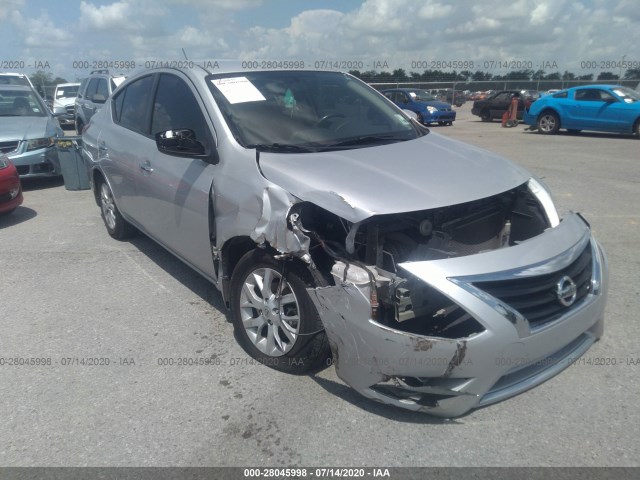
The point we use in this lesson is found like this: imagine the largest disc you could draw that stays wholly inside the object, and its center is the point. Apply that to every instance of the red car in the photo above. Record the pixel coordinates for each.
(10, 189)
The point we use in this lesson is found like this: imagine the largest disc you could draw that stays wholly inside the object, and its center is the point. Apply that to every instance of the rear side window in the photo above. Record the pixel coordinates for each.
(175, 107)
(131, 105)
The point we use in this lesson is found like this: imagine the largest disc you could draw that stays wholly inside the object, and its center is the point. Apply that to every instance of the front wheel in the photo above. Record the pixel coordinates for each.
(636, 128)
(273, 316)
(485, 115)
(548, 123)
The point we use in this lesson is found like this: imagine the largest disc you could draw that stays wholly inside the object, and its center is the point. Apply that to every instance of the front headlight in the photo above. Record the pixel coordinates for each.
(4, 163)
(432, 109)
(37, 143)
(542, 193)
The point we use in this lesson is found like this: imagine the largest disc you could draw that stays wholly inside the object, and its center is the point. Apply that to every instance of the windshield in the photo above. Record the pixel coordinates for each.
(20, 103)
(67, 92)
(627, 95)
(297, 112)
(422, 96)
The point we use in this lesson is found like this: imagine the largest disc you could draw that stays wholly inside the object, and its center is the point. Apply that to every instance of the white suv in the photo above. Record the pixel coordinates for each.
(64, 103)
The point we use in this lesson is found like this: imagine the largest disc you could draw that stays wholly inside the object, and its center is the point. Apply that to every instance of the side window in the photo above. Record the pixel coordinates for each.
(118, 100)
(607, 97)
(134, 105)
(103, 88)
(175, 107)
(589, 95)
(560, 95)
(502, 97)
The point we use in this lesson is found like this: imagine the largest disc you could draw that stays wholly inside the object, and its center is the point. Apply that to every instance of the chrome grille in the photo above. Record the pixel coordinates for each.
(535, 298)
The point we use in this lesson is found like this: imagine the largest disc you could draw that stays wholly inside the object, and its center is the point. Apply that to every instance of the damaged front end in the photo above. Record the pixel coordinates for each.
(447, 309)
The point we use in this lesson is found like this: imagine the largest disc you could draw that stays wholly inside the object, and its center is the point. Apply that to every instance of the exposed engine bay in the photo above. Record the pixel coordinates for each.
(369, 253)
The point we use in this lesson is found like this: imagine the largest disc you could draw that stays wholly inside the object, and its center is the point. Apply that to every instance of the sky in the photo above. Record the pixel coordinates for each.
(68, 38)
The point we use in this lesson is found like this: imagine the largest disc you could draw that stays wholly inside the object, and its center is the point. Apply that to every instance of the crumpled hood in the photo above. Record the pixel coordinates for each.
(429, 172)
(23, 128)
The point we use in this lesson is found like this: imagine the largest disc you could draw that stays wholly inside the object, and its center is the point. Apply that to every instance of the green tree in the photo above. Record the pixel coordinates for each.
(632, 74)
(607, 76)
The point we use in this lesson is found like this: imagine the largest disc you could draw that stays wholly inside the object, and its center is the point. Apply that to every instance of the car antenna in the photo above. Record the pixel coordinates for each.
(185, 54)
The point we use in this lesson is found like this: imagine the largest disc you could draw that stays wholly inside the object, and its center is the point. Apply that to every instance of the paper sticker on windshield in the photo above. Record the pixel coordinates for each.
(238, 90)
(412, 94)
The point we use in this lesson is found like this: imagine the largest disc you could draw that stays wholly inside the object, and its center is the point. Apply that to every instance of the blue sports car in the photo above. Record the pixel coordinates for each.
(603, 108)
(427, 107)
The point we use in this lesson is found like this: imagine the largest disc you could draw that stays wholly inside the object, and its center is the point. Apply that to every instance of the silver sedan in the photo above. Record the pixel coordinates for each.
(435, 276)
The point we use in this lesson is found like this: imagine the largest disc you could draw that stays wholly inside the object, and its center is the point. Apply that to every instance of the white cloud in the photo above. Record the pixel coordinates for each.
(40, 33)
(116, 16)
(220, 4)
(10, 7)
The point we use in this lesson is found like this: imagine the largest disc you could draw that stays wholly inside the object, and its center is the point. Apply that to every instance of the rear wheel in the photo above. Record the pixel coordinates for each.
(117, 226)
(273, 316)
(548, 123)
(636, 128)
(485, 115)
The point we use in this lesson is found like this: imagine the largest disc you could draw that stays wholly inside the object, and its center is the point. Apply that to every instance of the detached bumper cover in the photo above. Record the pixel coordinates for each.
(448, 377)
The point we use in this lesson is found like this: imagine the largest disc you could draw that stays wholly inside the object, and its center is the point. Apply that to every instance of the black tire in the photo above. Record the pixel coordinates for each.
(420, 118)
(258, 323)
(442, 124)
(485, 115)
(116, 226)
(79, 126)
(636, 128)
(548, 123)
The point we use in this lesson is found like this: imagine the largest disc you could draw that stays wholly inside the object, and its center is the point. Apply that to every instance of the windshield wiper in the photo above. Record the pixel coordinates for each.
(280, 147)
(364, 140)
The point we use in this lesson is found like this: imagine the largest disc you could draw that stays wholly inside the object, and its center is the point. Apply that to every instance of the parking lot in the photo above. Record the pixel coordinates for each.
(113, 324)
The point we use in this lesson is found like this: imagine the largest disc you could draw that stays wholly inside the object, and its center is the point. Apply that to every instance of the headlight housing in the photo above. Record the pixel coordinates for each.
(432, 109)
(542, 193)
(37, 143)
(4, 163)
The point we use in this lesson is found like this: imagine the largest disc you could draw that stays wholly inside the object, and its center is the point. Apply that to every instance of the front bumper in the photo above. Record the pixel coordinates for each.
(36, 163)
(439, 116)
(448, 377)
(10, 193)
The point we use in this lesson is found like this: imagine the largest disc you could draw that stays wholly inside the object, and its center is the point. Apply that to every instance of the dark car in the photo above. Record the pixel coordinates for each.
(423, 104)
(497, 104)
(602, 108)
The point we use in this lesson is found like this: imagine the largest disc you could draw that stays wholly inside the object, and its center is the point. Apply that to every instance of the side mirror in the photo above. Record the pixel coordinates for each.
(183, 143)
(410, 114)
(98, 98)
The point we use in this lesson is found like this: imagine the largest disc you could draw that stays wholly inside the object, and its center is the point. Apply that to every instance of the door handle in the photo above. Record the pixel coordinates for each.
(146, 166)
